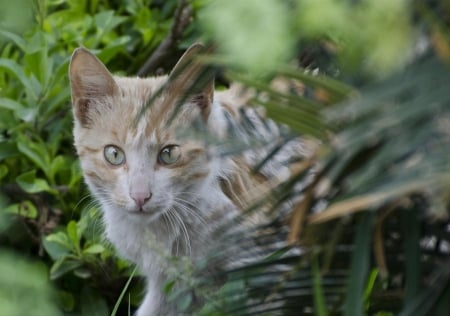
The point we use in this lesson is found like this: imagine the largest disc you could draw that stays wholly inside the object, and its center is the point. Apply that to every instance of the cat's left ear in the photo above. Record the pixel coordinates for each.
(193, 80)
(89, 81)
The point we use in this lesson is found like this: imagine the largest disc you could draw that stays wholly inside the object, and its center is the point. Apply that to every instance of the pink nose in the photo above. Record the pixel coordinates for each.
(140, 198)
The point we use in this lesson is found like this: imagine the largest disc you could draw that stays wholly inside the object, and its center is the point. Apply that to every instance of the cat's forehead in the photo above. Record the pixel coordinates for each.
(146, 132)
(141, 114)
(137, 90)
(141, 111)
(139, 104)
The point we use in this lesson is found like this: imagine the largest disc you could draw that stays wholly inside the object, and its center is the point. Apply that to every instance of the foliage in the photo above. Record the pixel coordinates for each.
(53, 219)
(382, 174)
(373, 226)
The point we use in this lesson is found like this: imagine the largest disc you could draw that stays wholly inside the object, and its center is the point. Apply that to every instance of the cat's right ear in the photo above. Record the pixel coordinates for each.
(89, 80)
(194, 80)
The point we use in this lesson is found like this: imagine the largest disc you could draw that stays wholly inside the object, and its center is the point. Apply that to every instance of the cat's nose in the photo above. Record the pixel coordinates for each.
(140, 198)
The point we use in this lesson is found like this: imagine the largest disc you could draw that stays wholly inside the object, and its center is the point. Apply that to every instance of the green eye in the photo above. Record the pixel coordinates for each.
(169, 155)
(114, 155)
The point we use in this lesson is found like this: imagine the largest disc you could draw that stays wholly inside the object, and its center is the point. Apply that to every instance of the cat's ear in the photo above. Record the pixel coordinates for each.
(193, 80)
(89, 80)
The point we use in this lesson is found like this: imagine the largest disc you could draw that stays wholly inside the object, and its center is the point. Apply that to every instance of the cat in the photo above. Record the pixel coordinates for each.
(153, 152)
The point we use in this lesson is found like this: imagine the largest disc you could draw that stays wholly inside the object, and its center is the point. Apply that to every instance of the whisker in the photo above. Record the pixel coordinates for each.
(188, 208)
(87, 196)
(184, 230)
(168, 216)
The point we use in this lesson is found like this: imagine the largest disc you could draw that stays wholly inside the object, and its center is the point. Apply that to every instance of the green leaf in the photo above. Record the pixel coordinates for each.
(370, 287)
(23, 209)
(8, 150)
(359, 266)
(29, 183)
(37, 42)
(113, 49)
(58, 164)
(36, 152)
(412, 227)
(106, 20)
(57, 245)
(82, 273)
(320, 307)
(55, 103)
(10, 104)
(63, 266)
(22, 112)
(122, 294)
(72, 232)
(168, 286)
(426, 299)
(24, 287)
(18, 40)
(32, 88)
(84, 222)
(94, 249)
(185, 302)
(3, 171)
(66, 300)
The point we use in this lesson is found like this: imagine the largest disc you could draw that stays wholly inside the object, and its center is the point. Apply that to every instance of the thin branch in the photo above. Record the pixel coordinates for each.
(182, 17)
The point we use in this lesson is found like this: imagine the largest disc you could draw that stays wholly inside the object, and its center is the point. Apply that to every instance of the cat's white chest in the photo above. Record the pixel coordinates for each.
(136, 239)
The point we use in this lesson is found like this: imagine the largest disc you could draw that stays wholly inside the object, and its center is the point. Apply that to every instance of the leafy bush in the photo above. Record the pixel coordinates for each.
(54, 221)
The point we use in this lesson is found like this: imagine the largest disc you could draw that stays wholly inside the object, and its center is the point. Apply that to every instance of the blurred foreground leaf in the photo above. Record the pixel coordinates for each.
(24, 288)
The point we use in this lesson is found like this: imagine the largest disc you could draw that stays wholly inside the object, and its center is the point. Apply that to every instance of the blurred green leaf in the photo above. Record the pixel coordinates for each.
(8, 150)
(67, 300)
(26, 114)
(373, 35)
(370, 286)
(320, 307)
(122, 294)
(241, 41)
(57, 165)
(16, 16)
(94, 249)
(24, 209)
(72, 232)
(36, 152)
(359, 266)
(24, 288)
(18, 40)
(412, 252)
(64, 265)
(32, 87)
(107, 20)
(31, 184)
(58, 245)
(424, 300)
(3, 171)
(82, 273)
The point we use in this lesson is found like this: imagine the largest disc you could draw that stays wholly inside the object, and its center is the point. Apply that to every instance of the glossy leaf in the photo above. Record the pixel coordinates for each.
(31, 184)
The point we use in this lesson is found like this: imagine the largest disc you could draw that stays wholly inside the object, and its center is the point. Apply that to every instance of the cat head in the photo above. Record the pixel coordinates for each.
(135, 137)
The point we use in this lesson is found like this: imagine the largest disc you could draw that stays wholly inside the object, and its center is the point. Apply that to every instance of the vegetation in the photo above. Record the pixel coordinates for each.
(373, 226)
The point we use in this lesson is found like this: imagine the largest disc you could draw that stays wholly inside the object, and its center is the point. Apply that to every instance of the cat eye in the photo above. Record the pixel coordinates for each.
(169, 155)
(114, 155)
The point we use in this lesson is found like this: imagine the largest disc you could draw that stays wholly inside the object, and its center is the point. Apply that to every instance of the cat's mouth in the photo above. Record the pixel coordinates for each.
(149, 215)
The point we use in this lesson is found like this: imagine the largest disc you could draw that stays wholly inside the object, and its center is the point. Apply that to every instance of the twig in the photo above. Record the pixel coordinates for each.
(182, 17)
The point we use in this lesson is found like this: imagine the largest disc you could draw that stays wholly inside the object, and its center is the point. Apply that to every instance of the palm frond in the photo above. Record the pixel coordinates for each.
(372, 227)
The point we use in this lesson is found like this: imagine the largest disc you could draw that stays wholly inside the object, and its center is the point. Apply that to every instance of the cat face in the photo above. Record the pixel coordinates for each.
(140, 162)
